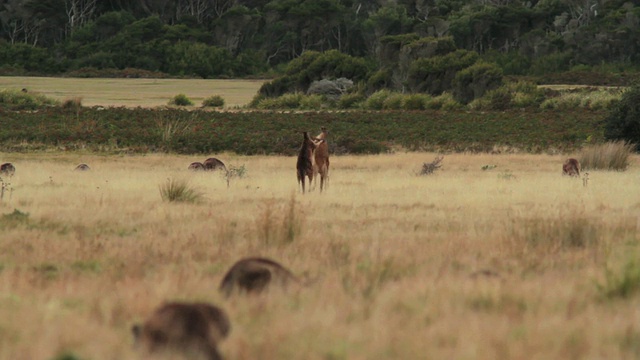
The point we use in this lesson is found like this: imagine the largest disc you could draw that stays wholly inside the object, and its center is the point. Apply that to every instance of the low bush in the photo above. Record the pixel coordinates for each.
(181, 100)
(12, 99)
(213, 101)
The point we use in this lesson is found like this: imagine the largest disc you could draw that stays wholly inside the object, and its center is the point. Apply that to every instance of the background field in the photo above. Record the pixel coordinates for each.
(136, 92)
(516, 262)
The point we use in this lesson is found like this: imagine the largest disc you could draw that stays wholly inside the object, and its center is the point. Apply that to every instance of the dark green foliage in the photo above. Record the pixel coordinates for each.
(122, 130)
(181, 100)
(213, 101)
(435, 75)
(474, 81)
(623, 122)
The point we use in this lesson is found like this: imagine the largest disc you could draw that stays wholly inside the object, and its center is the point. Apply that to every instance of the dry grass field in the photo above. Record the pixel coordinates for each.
(515, 262)
(135, 92)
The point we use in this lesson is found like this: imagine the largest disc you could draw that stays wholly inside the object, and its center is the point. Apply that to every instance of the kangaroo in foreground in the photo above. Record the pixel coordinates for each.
(304, 166)
(192, 330)
(321, 157)
(255, 275)
(571, 167)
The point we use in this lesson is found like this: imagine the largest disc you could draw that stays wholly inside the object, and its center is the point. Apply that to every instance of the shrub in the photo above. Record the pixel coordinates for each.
(181, 100)
(213, 101)
(376, 100)
(13, 99)
(350, 101)
(623, 121)
(286, 101)
(330, 88)
(416, 101)
(393, 102)
(311, 102)
(180, 191)
(608, 156)
(443, 102)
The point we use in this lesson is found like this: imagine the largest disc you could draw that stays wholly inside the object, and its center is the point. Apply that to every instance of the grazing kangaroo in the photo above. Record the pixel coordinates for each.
(571, 167)
(7, 169)
(255, 275)
(213, 164)
(304, 166)
(321, 157)
(196, 166)
(191, 329)
(82, 167)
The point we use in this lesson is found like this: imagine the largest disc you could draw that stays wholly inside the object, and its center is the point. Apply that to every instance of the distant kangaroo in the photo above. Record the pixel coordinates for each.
(196, 166)
(7, 169)
(321, 157)
(255, 275)
(192, 329)
(304, 166)
(82, 167)
(571, 167)
(213, 164)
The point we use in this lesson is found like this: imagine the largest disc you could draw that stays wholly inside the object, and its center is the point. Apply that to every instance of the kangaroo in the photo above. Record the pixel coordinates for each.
(213, 164)
(82, 167)
(196, 166)
(571, 167)
(7, 169)
(304, 166)
(321, 157)
(255, 275)
(192, 329)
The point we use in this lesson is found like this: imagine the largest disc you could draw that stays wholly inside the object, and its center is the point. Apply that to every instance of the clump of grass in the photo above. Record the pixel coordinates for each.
(393, 102)
(312, 102)
(14, 219)
(445, 101)
(552, 234)
(181, 100)
(213, 101)
(607, 156)
(280, 225)
(622, 285)
(377, 99)
(179, 191)
(350, 101)
(416, 101)
(286, 101)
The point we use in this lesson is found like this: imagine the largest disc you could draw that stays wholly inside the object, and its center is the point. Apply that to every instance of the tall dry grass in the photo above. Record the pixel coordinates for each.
(613, 155)
(465, 263)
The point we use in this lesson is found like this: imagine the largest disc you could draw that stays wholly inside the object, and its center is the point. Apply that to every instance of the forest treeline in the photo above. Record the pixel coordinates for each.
(240, 38)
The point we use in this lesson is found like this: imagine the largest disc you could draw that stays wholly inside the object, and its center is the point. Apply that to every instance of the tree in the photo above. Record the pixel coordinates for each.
(623, 121)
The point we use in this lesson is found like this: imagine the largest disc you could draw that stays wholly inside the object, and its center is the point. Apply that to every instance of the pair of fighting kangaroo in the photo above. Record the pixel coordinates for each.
(313, 159)
(194, 330)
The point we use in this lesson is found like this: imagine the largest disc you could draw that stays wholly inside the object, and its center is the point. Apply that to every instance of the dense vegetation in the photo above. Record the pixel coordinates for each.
(400, 44)
(199, 131)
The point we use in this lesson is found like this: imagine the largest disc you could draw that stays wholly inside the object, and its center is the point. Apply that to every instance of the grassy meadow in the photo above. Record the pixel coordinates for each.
(512, 262)
(135, 92)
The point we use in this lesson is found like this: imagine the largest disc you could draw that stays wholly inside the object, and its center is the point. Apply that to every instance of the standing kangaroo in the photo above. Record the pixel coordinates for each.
(304, 166)
(321, 157)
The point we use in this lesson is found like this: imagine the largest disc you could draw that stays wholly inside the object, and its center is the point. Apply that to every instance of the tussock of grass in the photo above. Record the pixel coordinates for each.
(174, 190)
(624, 284)
(280, 225)
(609, 156)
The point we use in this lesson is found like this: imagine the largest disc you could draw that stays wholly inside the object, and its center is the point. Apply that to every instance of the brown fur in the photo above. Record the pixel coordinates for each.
(7, 169)
(213, 164)
(82, 167)
(255, 275)
(571, 167)
(196, 166)
(321, 157)
(192, 329)
(304, 166)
